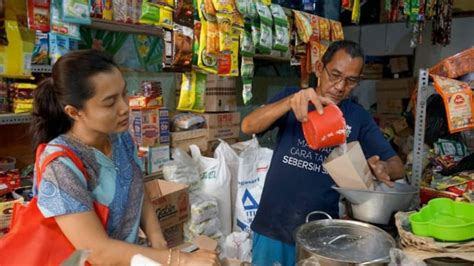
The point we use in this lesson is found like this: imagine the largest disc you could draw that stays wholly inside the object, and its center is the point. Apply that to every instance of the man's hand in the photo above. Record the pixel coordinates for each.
(299, 103)
(380, 170)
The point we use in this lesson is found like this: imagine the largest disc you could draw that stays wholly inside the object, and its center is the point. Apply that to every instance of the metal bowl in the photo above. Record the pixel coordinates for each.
(377, 206)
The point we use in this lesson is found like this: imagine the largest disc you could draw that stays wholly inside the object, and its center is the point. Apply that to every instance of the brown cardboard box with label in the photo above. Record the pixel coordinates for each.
(174, 235)
(219, 120)
(170, 200)
(221, 94)
(183, 139)
(150, 126)
(391, 94)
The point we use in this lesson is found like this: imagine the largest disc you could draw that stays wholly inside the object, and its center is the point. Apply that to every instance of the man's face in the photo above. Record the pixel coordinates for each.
(339, 77)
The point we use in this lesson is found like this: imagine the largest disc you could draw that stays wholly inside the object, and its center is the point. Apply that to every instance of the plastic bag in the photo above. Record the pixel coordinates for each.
(247, 47)
(183, 13)
(266, 39)
(199, 82)
(187, 121)
(215, 181)
(247, 91)
(203, 208)
(206, 61)
(207, 228)
(224, 22)
(456, 65)
(279, 15)
(224, 6)
(303, 26)
(238, 245)
(324, 29)
(182, 169)
(187, 95)
(337, 33)
(60, 45)
(247, 67)
(182, 47)
(228, 64)
(281, 40)
(264, 13)
(253, 167)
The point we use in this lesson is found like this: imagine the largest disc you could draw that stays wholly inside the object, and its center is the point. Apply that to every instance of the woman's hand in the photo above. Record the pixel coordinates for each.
(200, 257)
(300, 100)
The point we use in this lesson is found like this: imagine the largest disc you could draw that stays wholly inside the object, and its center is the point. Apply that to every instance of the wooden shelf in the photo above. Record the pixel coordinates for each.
(108, 25)
(10, 119)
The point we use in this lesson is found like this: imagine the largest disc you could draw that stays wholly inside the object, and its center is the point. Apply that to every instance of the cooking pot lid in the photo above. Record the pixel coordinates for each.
(346, 241)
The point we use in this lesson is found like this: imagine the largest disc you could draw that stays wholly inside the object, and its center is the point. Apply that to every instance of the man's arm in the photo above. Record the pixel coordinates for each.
(261, 119)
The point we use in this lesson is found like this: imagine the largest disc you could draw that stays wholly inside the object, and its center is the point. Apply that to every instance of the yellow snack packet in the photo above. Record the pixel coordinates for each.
(224, 22)
(187, 95)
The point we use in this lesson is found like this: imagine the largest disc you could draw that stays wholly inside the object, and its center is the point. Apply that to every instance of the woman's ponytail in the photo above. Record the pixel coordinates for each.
(49, 118)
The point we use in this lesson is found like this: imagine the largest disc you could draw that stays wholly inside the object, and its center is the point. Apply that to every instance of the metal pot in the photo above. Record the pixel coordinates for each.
(341, 242)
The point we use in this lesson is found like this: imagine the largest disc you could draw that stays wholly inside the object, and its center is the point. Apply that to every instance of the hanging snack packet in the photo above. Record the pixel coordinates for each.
(196, 41)
(247, 67)
(135, 11)
(209, 12)
(199, 83)
(242, 6)
(247, 47)
(279, 15)
(324, 29)
(337, 34)
(238, 21)
(458, 102)
(38, 15)
(266, 39)
(224, 22)
(230, 59)
(182, 47)
(303, 26)
(264, 13)
(77, 11)
(183, 12)
(266, 2)
(224, 6)
(206, 61)
(187, 95)
(252, 10)
(58, 26)
(247, 91)
(255, 33)
(281, 40)
(212, 38)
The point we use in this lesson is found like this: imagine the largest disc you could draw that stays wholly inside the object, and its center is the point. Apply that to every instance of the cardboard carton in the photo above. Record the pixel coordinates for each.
(174, 235)
(219, 120)
(150, 126)
(392, 94)
(350, 170)
(183, 139)
(221, 94)
(223, 133)
(170, 200)
(155, 158)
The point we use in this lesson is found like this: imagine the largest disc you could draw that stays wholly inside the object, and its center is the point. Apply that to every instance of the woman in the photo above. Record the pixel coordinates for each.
(84, 107)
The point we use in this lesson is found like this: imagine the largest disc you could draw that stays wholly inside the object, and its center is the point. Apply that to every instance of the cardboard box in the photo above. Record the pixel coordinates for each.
(171, 201)
(150, 126)
(155, 158)
(183, 139)
(219, 120)
(223, 133)
(399, 64)
(142, 101)
(392, 95)
(174, 235)
(220, 100)
(350, 170)
(221, 94)
(387, 120)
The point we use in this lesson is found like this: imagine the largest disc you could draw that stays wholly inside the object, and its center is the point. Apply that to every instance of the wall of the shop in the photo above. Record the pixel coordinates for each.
(462, 38)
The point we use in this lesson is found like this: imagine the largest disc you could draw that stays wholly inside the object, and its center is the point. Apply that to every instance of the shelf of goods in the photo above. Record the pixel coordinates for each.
(10, 119)
(108, 25)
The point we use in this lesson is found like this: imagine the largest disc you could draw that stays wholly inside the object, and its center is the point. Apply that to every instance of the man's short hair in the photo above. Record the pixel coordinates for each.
(352, 48)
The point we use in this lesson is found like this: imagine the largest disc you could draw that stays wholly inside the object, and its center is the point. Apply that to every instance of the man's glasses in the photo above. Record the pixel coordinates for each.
(348, 81)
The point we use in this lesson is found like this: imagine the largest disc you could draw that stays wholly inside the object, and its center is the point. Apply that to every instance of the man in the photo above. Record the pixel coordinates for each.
(296, 182)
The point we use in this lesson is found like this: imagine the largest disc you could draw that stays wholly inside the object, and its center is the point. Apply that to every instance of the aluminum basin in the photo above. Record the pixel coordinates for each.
(379, 205)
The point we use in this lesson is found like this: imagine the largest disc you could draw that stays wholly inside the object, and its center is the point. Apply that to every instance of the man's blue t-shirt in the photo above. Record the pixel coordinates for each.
(296, 182)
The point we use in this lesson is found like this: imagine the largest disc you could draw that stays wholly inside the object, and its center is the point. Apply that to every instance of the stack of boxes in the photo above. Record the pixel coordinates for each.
(149, 126)
(393, 96)
(222, 118)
